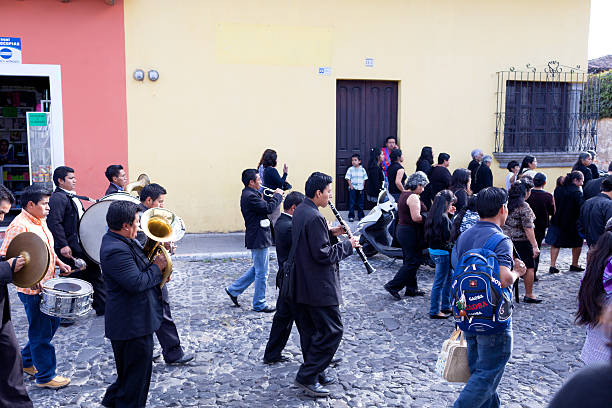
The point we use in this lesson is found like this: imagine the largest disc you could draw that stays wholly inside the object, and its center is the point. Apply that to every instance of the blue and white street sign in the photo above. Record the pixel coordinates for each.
(10, 50)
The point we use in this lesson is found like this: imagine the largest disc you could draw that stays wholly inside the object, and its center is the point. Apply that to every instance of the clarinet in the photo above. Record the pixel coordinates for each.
(364, 259)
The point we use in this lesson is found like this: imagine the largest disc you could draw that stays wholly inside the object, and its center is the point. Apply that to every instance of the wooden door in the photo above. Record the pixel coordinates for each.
(366, 114)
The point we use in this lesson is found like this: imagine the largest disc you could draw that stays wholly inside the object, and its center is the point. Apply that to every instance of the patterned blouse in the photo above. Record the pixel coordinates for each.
(521, 218)
(595, 350)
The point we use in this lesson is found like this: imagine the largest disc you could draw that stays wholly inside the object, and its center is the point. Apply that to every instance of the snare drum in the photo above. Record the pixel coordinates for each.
(66, 297)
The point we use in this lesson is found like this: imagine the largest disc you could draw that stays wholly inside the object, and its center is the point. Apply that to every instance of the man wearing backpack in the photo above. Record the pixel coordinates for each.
(489, 344)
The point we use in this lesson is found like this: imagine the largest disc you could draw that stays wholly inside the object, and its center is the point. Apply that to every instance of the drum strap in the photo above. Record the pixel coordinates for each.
(13, 264)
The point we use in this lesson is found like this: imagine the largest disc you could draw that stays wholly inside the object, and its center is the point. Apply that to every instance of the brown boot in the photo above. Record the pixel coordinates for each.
(56, 383)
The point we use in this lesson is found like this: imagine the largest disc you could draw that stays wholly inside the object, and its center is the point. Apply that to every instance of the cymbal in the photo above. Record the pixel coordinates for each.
(35, 251)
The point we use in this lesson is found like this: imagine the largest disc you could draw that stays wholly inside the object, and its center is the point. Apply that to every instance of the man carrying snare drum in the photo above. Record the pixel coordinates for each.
(38, 355)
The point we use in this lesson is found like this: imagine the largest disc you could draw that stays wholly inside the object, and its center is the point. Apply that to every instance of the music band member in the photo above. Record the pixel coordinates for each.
(133, 305)
(38, 355)
(283, 318)
(65, 212)
(116, 177)
(12, 389)
(258, 239)
(317, 286)
(153, 196)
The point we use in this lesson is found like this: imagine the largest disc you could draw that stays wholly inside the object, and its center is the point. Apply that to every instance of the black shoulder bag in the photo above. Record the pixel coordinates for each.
(287, 289)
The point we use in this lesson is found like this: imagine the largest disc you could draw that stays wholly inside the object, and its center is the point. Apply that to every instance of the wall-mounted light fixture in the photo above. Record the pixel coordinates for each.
(153, 75)
(139, 75)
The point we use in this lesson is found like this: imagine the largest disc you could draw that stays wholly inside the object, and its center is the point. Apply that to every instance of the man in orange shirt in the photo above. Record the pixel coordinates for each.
(38, 355)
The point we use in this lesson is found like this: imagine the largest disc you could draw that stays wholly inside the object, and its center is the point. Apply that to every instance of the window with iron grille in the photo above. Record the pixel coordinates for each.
(550, 111)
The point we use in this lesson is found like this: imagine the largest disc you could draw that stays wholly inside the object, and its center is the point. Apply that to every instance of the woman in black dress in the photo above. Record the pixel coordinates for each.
(460, 186)
(396, 174)
(376, 177)
(273, 180)
(563, 230)
(425, 161)
(582, 165)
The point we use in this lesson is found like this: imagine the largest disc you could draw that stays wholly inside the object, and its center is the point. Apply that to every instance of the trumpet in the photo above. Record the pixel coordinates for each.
(268, 192)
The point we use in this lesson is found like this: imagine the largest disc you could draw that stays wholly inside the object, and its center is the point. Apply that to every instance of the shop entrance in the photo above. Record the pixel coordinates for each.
(23, 89)
(366, 114)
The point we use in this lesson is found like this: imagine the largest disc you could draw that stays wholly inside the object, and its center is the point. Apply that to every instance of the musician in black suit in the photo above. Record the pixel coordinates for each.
(258, 238)
(65, 211)
(116, 177)
(283, 318)
(317, 286)
(133, 305)
(154, 196)
(12, 389)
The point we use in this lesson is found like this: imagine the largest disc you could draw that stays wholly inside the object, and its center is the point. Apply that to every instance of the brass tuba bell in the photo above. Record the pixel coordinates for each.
(161, 225)
(135, 187)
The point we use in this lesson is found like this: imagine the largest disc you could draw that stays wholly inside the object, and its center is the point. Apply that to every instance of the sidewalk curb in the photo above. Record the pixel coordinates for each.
(210, 256)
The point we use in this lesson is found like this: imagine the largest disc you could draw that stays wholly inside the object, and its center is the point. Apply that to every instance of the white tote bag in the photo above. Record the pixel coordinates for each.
(452, 364)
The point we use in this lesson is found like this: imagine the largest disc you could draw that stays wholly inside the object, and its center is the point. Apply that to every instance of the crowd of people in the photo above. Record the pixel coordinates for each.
(443, 216)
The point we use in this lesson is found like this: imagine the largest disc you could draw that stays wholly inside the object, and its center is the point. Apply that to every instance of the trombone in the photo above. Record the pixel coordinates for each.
(268, 192)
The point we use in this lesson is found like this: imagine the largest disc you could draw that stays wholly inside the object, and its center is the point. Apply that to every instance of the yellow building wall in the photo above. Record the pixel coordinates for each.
(240, 76)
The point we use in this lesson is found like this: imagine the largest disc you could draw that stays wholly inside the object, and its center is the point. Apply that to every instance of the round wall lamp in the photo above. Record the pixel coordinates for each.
(153, 75)
(139, 75)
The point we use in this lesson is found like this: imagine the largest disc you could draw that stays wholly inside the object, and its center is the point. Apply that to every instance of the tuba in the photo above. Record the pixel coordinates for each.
(160, 226)
(135, 187)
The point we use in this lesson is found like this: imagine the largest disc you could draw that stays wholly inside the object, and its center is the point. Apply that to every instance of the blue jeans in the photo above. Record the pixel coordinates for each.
(441, 285)
(356, 202)
(258, 273)
(487, 358)
(39, 352)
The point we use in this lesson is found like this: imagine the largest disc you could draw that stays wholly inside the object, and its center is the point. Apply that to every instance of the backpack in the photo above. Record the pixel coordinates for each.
(480, 304)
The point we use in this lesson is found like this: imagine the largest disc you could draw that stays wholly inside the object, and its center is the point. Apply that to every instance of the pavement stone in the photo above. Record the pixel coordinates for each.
(389, 348)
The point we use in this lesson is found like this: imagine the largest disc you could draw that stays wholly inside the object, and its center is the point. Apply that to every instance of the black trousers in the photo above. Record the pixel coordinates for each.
(539, 236)
(93, 275)
(12, 389)
(406, 276)
(167, 335)
(280, 330)
(134, 362)
(320, 335)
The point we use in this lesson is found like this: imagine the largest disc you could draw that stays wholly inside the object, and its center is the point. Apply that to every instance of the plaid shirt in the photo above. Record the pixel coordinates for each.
(386, 160)
(25, 222)
(357, 175)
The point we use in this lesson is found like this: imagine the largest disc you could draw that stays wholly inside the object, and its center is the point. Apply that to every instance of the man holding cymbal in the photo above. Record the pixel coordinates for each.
(38, 355)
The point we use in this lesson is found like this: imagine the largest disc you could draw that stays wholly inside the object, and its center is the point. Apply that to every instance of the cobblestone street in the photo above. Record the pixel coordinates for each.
(389, 348)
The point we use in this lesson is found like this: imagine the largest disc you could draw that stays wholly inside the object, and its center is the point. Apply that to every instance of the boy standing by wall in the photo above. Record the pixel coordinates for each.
(356, 177)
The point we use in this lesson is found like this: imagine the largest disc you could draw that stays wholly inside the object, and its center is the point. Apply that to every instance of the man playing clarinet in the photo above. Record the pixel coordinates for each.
(317, 286)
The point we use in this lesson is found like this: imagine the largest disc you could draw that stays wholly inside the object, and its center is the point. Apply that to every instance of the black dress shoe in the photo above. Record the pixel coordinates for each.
(335, 361)
(552, 269)
(183, 360)
(447, 311)
(437, 316)
(326, 379)
(413, 293)
(234, 298)
(574, 268)
(281, 359)
(393, 293)
(315, 390)
(531, 300)
(266, 309)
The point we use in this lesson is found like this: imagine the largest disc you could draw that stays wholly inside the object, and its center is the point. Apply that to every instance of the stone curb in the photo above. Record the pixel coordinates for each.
(209, 256)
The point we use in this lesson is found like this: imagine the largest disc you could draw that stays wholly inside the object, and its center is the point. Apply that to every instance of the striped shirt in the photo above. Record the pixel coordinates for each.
(26, 222)
(357, 176)
(386, 160)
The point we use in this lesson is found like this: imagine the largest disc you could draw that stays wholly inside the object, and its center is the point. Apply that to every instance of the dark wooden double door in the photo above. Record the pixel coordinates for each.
(366, 114)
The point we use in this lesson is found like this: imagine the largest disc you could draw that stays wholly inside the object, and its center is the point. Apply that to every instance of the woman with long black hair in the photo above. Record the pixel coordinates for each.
(528, 166)
(376, 177)
(582, 165)
(437, 236)
(460, 186)
(425, 161)
(273, 180)
(594, 294)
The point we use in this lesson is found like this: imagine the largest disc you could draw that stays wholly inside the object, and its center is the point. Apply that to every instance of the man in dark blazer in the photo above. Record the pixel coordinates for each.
(133, 305)
(283, 318)
(258, 239)
(154, 196)
(317, 286)
(12, 389)
(116, 177)
(65, 211)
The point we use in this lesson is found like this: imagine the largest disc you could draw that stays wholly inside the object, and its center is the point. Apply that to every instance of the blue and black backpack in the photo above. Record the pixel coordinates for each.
(480, 304)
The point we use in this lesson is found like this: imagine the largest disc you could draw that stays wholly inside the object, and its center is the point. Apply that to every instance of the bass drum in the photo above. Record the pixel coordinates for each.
(92, 225)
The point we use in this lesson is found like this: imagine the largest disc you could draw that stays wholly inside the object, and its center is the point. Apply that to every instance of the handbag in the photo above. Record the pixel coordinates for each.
(452, 364)
(287, 288)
